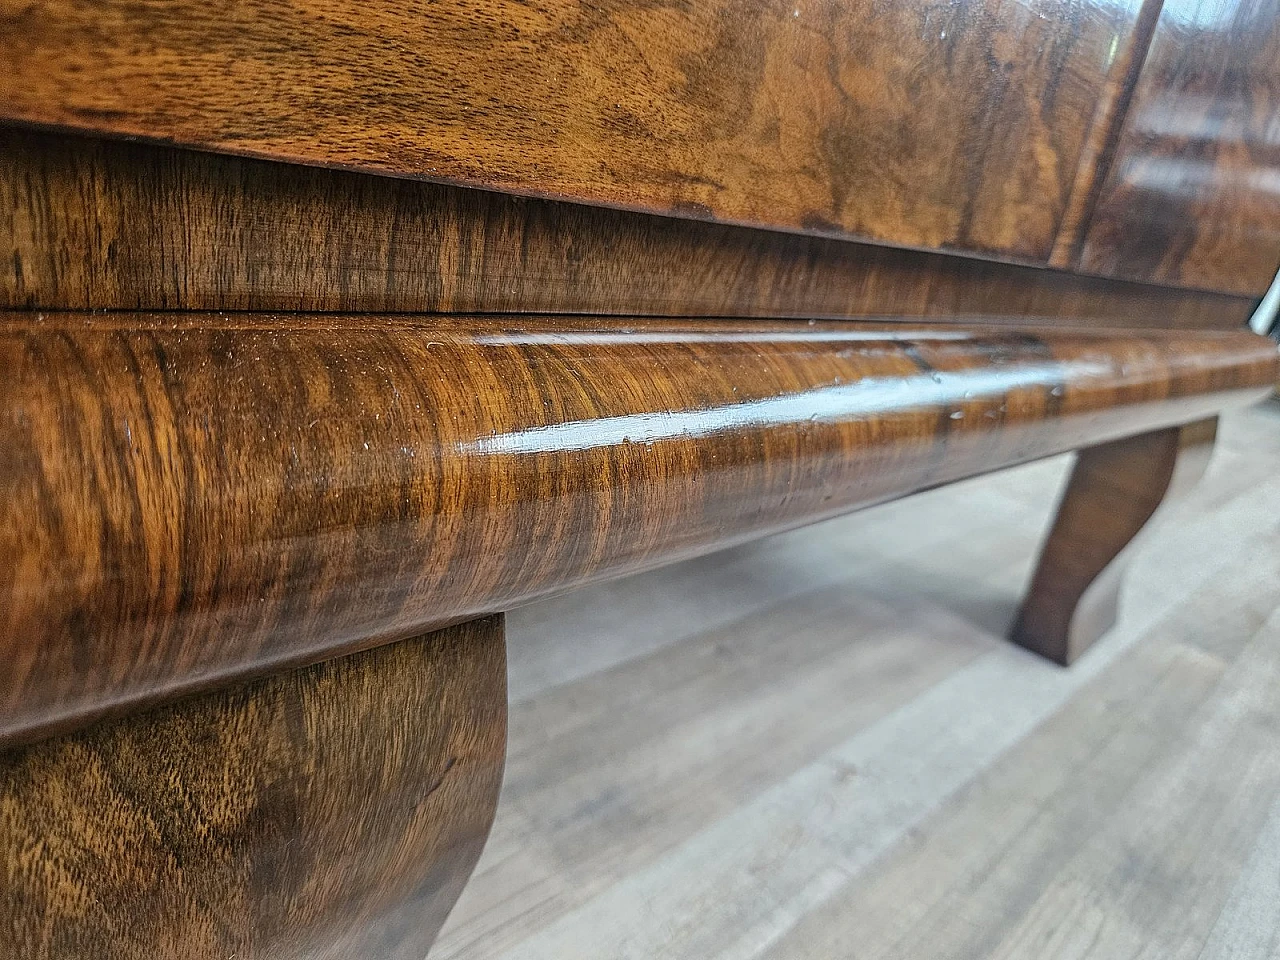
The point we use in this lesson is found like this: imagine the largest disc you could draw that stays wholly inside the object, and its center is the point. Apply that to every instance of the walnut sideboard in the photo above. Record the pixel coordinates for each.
(329, 332)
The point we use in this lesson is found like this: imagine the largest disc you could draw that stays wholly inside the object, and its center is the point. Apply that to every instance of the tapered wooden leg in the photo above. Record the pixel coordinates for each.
(1111, 494)
(329, 812)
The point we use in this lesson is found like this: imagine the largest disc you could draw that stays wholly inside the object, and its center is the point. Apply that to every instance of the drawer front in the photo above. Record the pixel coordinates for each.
(920, 123)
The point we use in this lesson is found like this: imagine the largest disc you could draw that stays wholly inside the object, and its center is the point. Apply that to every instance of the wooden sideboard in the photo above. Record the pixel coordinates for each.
(328, 333)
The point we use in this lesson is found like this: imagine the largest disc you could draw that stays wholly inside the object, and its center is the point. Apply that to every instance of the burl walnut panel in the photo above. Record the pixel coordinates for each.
(1193, 197)
(330, 813)
(92, 224)
(918, 122)
(188, 498)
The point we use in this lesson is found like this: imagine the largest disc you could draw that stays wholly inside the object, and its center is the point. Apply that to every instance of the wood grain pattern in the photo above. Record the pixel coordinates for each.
(94, 224)
(190, 498)
(1098, 152)
(1111, 495)
(322, 814)
(919, 123)
(1193, 197)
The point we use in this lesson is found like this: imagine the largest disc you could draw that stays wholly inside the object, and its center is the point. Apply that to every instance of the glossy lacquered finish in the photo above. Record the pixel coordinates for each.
(955, 125)
(1193, 196)
(189, 498)
(97, 224)
(329, 813)
(1128, 57)
(1113, 490)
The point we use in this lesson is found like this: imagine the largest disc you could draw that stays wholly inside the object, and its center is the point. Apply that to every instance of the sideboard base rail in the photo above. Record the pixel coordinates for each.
(189, 500)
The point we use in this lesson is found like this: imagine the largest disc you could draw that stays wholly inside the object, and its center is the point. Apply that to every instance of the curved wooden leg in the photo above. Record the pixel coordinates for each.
(1112, 493)
(330, 812)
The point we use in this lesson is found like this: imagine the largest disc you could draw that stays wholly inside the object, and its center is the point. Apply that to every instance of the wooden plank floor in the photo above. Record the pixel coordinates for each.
(818, 746)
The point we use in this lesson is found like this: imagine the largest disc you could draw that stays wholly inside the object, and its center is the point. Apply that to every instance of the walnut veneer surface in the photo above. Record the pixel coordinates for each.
(1036, 132)
(1193, 196)
(921, 124)
(92, 224)
(192, 498)
(493, 398)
